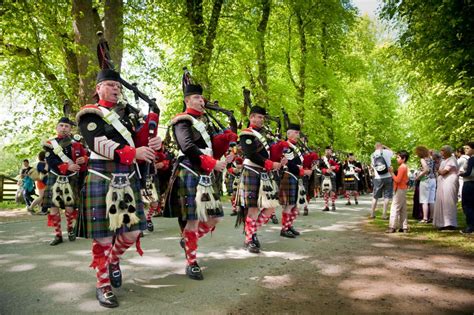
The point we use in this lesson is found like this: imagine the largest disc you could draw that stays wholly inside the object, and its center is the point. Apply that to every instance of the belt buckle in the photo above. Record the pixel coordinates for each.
(62, 179)
(205, 180)
(120, 180)
(264, 176)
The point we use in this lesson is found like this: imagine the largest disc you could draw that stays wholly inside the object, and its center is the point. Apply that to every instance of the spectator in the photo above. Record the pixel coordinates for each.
(27, 184)
(462, 163)
(427, 189)
(445, 209)
(468, 189)
(398, 211)
(42, 170)
(382, 183)
(411, 179)
(436, 156)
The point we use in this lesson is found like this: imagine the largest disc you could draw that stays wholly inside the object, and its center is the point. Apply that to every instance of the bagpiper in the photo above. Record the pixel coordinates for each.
(234, 170)
(311, 182)
(292, 193)
(192, 196)
(352, 172)
(329, 167)
(258, 191)
(112, 214)
(65, 156)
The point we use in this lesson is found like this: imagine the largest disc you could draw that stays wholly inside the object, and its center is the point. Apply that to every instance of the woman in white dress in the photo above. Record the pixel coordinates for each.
(445, 210)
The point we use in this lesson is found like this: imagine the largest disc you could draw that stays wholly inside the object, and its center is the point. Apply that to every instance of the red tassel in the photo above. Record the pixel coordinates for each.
(139, 246)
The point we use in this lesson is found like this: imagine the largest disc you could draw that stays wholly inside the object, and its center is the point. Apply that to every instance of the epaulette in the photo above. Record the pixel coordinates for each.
(47, 143)
(246, 132)
(89, 109)
(181, 117)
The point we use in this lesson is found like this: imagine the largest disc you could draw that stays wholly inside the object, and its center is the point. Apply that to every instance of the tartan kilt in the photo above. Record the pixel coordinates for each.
(288, 190)
(181, 199)
(249, 187)
(308, 182)
(229, 182)
(48, 193)
(351, 183)
(92, 221)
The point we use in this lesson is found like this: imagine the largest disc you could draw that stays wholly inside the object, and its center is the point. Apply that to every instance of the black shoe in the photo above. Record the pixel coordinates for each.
(287, 233)
(252, 247)
(233, 214)
(333, 208)
(194, 272)
(106, 297)
(400, 230)
(181, 243)
(149, 226)
(255, 240)
(348, 203)
(390, 230)
(274, 219)
(57, 240)
(467, 231)
(292, 229)
(305, 211)
(356, 202)
(71, 235)
(326, 209)
(115, 275)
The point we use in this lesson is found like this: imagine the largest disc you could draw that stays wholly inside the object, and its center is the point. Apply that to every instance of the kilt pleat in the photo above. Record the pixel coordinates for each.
(249, 187)
(93, 222)
(181, 199)
(288, 190)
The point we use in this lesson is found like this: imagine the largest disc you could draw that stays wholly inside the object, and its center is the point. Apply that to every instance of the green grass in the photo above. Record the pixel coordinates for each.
(7, 205)
(428, 233)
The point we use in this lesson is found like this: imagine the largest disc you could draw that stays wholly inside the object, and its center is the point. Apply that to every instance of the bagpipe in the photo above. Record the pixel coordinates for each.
(222, 134)
(145, 128)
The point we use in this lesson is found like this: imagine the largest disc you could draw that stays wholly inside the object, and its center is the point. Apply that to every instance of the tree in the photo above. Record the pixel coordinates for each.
(434, 52)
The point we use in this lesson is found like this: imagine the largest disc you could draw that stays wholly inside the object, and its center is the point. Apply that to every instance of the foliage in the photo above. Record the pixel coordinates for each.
(318, 59)
(10, 163)
(434, 58)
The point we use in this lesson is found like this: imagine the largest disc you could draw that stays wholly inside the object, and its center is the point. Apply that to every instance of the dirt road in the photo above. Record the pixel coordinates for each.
(337, 265)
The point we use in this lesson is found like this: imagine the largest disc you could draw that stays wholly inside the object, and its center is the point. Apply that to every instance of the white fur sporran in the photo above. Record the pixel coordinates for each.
(326, 184)
(267, 193)
(149, 193)
(205, 200)
(302, 201)
(63, 195)
(120, 203)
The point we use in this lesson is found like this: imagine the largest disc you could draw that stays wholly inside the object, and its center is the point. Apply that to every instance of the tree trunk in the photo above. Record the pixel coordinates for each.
(203, 40)
(113, 30)
(300, 84)
(325, 108)
(262, 94)
(85, 38)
